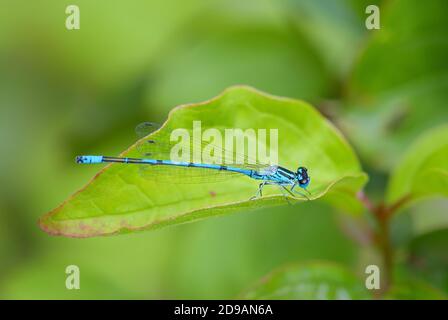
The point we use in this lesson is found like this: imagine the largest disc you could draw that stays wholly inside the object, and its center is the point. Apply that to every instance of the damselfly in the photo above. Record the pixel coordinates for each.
(156, 163)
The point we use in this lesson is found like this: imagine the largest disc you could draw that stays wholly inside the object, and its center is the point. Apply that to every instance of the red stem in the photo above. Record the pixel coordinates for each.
(383, 214)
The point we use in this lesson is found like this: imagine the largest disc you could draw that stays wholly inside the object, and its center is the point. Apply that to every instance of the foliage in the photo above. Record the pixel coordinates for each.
(65, 93)
(423, 172)
(311, 281)
(120, 199)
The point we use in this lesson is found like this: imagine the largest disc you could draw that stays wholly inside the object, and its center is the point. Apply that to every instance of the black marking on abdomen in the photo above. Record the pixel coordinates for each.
(132, 160)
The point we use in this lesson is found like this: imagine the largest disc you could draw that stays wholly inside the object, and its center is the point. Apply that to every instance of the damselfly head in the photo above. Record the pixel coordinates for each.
(302, 177)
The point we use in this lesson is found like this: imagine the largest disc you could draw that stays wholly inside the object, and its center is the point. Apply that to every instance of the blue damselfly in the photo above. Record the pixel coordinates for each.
(156, 154)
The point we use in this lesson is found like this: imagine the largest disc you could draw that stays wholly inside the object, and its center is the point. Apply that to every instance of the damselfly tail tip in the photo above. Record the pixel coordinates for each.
(80, 159)
(89, 159)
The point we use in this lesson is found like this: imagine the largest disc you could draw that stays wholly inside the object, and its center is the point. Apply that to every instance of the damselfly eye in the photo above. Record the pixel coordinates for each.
(302, 172)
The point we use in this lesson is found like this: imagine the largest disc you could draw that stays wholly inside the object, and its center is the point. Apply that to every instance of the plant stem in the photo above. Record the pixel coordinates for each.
(382, 215)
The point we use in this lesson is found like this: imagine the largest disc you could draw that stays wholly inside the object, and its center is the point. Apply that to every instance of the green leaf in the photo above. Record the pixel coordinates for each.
(119, 199)
(428, 216)
(315, 280)
(399, 86)
(414, 289)
(428, 258)
(423, 171)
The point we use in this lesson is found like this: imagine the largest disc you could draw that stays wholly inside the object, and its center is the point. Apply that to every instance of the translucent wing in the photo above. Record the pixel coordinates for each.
(158, 145)
(182, 175)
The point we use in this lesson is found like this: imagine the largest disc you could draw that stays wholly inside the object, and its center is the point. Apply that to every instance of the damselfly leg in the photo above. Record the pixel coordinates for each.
(299, 193)
(260, 190)
(284, 190)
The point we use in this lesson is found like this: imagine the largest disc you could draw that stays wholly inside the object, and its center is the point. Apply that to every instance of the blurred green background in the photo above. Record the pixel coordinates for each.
(64, 93)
